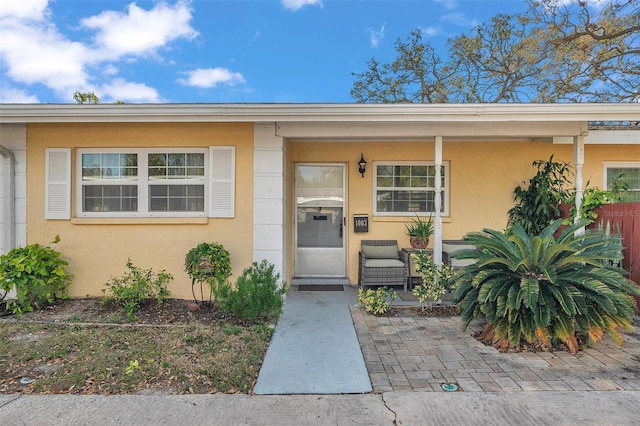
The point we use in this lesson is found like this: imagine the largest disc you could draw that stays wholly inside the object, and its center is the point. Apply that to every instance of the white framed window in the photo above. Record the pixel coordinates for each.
(404, 188)
(155, 182)
(628, 172)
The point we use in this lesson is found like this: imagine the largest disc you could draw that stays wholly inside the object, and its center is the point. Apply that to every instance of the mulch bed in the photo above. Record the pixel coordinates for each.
(171, 312)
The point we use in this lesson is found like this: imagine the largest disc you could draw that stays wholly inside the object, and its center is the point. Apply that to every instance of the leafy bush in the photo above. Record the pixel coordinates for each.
(38, 275)
(435, 279)
(594, 198)
(546, 290)
(135, 287)
(376, 302)
(538, 204)
(208, 261)
(257, 293)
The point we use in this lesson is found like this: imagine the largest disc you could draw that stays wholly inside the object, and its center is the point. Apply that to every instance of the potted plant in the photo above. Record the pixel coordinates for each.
(419, 231)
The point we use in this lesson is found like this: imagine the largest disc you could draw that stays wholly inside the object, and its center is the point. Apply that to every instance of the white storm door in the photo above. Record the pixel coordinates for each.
(320, 223)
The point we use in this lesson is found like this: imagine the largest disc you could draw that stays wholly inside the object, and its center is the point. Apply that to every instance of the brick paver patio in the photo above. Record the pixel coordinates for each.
(409, 352)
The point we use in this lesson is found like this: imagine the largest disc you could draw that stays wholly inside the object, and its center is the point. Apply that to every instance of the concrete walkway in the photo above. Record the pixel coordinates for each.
(314, 349)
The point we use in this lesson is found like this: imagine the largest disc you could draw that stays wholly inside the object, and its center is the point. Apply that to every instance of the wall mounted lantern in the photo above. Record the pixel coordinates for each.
(362, 164)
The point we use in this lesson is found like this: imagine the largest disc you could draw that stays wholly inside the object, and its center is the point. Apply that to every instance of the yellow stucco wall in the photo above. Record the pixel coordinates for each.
(483, 176)
(97, 249)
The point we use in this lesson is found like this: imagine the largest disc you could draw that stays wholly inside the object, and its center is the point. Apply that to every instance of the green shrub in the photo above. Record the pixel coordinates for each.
(209, 262)
(257, 293)
(435, 279)
(376, 302)
(38, 275)
(538, 204)
(135, 287)
(541, 289)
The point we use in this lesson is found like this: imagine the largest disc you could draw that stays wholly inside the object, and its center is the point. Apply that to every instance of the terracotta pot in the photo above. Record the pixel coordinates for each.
(419, 242)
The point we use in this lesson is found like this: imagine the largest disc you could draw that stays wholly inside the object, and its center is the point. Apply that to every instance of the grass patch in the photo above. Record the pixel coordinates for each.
(71, 358)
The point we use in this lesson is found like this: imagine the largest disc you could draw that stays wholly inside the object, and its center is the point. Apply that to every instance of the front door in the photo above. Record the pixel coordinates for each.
(320, 223)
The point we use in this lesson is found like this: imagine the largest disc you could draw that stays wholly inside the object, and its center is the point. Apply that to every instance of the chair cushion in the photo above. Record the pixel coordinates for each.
(383, 263)
(452, 248)
(380, 252)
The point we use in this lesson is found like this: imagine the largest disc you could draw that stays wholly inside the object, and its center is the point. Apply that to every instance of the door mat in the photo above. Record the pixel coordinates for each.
(407, 297)
(321, 287)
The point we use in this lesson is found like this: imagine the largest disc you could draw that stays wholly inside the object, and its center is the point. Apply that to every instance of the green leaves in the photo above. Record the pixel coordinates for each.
(38, 275)
(258, 293)
(545, 288)
(208, 261)
(135, 287)
(376, 302)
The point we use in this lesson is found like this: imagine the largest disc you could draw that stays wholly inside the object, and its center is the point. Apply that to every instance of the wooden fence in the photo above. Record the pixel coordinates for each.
(625, 219)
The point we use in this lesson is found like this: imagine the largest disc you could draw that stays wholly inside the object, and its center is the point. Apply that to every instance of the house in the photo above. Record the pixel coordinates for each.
(280, 182)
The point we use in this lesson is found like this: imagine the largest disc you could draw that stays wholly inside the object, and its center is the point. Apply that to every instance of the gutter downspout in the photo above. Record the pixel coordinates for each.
(9, 197)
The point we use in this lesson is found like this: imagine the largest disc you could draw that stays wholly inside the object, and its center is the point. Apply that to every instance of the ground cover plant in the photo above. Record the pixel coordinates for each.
(545, 289)
(167, 350)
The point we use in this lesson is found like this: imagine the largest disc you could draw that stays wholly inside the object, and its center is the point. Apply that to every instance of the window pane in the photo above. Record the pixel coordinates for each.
(385, 170)
(109, 198)
(158, 160)
(386, 182)
(176, 198)
(195, 160)
(109, 167)
(407, 188)
(626, 175)
(172, 166)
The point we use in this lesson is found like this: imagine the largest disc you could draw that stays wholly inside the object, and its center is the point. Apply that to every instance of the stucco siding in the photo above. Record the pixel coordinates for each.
(482, 175)
(98, 248)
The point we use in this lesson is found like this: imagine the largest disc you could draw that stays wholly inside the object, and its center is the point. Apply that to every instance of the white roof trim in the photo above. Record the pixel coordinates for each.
(605, 137)
(310, 113)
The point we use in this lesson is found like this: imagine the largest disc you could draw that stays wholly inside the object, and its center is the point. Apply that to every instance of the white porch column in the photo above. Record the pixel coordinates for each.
(268, 196)
(437, 229)
(578, 160)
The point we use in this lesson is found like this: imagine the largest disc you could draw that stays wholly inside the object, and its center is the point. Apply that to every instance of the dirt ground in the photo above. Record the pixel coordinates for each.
(172, 311)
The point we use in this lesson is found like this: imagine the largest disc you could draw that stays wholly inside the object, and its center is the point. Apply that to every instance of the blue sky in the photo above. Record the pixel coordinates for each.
(213, 50)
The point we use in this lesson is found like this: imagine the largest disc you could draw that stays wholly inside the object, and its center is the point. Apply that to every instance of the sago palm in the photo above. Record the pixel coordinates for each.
(542, 288)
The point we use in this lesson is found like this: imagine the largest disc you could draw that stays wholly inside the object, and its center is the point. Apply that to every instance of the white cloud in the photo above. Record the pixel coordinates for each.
(447, 4)
(139, 31)
(298, 4)
(39, 54)
(34, 51)
(121, 90)
(211, 77)
(33, 10)
(16, 96)
(459, 19)
(376, 36)
(595, 4)
(430, 31)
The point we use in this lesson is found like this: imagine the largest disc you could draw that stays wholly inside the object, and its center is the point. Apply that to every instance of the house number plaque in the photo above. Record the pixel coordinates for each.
(360, 223)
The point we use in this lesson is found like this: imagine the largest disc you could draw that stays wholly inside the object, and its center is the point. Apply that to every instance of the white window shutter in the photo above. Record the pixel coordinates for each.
(222, 172)
(57, 204)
